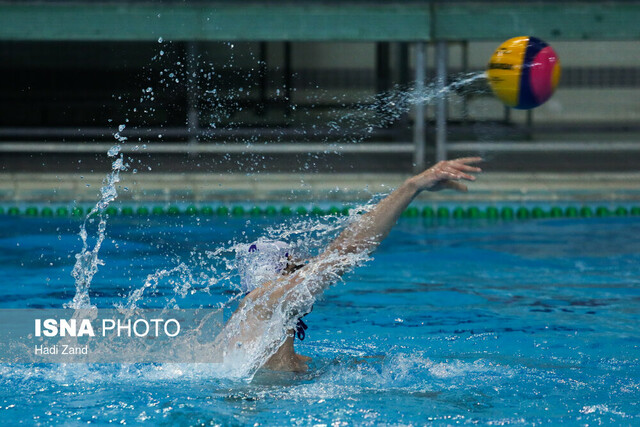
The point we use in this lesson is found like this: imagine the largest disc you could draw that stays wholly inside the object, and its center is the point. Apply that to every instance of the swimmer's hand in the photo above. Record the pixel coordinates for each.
(446, 174)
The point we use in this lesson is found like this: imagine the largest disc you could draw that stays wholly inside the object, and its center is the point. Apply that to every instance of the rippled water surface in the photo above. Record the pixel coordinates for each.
(460, 322)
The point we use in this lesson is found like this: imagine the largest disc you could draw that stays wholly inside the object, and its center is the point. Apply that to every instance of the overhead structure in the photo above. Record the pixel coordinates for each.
(418, 22)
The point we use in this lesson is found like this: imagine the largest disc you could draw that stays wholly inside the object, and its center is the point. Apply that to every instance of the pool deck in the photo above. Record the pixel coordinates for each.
(142, 188)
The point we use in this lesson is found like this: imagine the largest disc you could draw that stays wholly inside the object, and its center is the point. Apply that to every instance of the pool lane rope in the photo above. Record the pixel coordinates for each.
(441, 212)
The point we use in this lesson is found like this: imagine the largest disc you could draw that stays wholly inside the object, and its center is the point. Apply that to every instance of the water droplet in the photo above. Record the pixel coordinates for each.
(113, 151)
(160, 39)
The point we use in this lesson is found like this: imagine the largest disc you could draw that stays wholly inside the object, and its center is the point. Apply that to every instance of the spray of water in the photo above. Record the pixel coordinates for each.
(253, 334)
(386, 108)
(87, 260)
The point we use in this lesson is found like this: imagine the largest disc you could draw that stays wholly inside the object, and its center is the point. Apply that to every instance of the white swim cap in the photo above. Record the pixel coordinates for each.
(260, 262)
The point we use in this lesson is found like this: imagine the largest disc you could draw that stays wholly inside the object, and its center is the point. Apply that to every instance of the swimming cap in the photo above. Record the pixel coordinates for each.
(260, 262)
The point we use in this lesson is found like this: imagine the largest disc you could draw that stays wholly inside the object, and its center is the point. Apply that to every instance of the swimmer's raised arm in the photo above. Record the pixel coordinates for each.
(292, 295)
(374, 226)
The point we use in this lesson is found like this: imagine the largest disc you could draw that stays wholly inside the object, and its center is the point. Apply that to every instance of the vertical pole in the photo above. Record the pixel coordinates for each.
(383, 73)
(465, 69)
(193, 127)
(529, 132)
(404, 80)
(264, 79)
(403, 64)
(288, 79)
(419, 135)
(441, 101)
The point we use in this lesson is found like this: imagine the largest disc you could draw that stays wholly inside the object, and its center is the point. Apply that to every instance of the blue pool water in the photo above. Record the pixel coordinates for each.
(460, 322)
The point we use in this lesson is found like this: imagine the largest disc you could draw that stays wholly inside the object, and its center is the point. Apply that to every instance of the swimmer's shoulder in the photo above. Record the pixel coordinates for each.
(256, 293)
(269, 289)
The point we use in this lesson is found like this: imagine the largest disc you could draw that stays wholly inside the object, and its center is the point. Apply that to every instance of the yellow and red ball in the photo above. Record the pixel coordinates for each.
(524, 72)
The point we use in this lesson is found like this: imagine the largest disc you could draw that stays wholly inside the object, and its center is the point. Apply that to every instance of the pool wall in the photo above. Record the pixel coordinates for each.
(168, 188)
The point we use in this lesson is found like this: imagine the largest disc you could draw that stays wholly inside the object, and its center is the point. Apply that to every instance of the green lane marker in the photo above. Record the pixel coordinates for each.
(474, 213)
(507, 213)
(458, 213)
(411, 212)
(586, 212)
(442, 212)
(237, 211)
(492, 212)
(571, 212)
(522, 213)
(538, 212)
(286, 210)
(333, 210)
(428, 212)
(621, 211)
(555, 212)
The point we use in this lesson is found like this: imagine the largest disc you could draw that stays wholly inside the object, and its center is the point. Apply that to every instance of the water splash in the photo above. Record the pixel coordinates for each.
(152, 281)
(386, 108)
(259, 326)
(246, 343)
(87, 261)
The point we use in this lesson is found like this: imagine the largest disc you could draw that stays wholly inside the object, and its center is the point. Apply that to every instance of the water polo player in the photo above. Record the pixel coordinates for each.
(278, 291)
